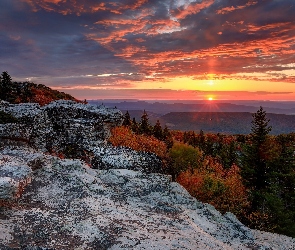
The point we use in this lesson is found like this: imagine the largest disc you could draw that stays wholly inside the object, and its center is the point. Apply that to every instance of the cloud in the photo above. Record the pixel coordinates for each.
(231, 8)
(190, 9)
(146, 40)
(168, 94)
(77, 7)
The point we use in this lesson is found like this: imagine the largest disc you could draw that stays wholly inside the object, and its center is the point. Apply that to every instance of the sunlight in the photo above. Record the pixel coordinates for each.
(210, 98)
(211, 82)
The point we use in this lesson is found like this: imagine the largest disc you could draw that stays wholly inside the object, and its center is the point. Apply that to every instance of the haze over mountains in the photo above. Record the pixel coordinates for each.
(164, 107)
(231, 117)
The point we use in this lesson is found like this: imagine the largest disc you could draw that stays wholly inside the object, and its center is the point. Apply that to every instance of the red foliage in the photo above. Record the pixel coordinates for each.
(215, 185)
(123, 136)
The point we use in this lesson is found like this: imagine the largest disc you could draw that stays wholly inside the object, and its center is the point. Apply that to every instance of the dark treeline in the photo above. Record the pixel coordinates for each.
(144, 127)
(23, 92)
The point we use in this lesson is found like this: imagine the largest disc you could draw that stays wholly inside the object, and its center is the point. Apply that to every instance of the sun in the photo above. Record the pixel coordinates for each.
(211, 83)
(210, 99)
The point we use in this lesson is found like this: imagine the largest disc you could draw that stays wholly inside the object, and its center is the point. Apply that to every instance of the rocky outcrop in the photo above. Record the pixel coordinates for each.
(108, 157)
(116, 199)
(58, 124)
(68, 205)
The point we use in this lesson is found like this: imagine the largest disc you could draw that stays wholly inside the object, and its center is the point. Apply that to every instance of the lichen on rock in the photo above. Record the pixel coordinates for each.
(116, 199)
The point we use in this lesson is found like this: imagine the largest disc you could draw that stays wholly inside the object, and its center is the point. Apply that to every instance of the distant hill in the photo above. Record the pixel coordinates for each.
(165, 107)
(38, 93)
(225, 122)
(23, 92)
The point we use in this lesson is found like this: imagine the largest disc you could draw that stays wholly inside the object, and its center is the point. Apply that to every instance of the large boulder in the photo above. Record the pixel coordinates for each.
(108, 157)
(68, 205)
(58, 124)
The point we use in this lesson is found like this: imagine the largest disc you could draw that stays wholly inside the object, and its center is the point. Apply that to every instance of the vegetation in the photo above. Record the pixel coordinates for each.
(252, 175)
(22, 92)
(123, 136)
(7, 118)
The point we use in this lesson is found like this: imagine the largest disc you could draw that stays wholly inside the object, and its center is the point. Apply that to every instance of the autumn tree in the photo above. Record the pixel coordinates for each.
(220, 187)
(183, 157)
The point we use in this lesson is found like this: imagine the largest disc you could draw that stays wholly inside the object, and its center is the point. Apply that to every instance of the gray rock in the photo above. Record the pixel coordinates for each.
(123, 202)
(68, 205)
(14, 176)
(108, 157)
(60, 123)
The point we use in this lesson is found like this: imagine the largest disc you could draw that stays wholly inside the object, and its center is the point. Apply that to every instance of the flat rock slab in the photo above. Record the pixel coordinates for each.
(68, 205)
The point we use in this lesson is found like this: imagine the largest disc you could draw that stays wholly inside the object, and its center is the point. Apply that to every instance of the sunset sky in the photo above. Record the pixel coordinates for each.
(152, 49)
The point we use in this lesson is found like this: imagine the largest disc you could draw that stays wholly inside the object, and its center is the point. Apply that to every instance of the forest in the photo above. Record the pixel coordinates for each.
(252, 176)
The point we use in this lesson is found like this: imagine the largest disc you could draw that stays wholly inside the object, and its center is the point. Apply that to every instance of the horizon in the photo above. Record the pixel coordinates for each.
(149, 50)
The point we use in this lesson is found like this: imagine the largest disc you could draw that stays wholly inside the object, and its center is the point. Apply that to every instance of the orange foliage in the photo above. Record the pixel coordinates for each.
(40, 97)
(123, 136)
(215, 185)
(177, 135)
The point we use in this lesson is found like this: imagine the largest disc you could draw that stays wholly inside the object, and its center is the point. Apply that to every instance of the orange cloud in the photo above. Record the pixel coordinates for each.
(191, 9)
(77, 7)
(229, 9)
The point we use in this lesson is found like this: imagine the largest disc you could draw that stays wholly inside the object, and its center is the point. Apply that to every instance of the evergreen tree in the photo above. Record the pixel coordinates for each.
(255, 169)
(157, 130)
(201, 139)
(167, 137)
(145, 127)
(127, 120)
(134, 126)
(5, 85)
(280, 196)
(260, 128)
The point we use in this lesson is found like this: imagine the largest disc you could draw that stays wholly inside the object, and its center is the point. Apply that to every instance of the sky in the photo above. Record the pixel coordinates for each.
(152, 49)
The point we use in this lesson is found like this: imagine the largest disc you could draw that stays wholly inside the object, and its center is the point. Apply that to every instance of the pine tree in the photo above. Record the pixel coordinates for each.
(145, 127)
(281, 189)
(134, 126)
(157, 130)
(5, 85)
(167, 137)
(260, 128)
(127, 120)
(255, 169)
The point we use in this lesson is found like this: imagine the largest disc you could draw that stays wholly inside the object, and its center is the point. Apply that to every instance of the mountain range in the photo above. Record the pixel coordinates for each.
(210, 116)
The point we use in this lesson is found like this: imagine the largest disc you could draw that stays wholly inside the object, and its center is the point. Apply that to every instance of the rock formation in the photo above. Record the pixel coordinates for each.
(120, 201)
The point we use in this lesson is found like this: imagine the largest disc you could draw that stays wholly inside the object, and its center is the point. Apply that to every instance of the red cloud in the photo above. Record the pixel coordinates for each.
(191, 9)
(232, 8)
(77, 7)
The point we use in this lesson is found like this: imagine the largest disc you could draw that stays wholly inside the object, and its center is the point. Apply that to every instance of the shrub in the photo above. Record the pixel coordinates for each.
(123, 136)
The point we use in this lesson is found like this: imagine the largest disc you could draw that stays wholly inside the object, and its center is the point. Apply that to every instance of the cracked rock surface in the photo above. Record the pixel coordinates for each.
(68, 205)
(118, 200)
